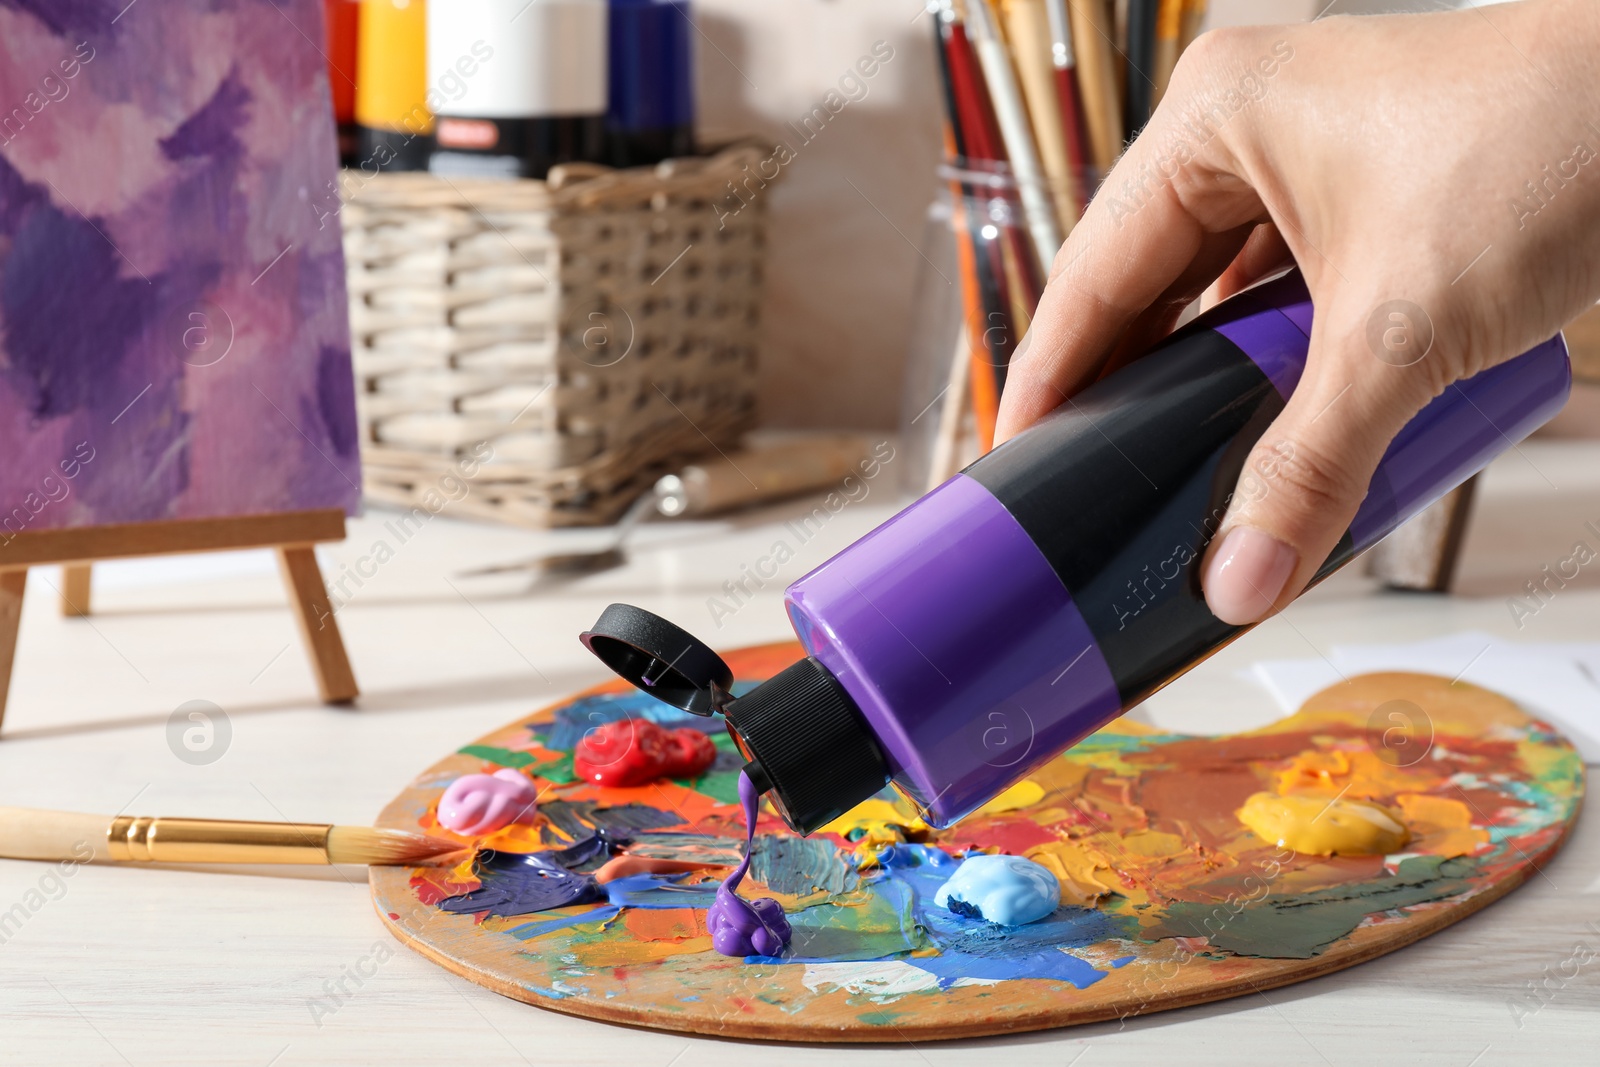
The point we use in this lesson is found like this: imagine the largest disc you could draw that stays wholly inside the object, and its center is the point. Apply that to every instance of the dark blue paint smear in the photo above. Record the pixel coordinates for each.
(579, 818)
(634, 891)
(515, 883)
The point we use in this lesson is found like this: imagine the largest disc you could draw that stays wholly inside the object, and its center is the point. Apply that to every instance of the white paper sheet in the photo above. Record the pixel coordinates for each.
(1559, 683)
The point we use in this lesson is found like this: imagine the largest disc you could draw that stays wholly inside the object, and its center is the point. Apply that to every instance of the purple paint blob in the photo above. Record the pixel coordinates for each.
(742, 927)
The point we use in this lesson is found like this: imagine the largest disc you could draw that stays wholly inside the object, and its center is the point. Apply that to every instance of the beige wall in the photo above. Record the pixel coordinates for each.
(839, 276)
(847, 213)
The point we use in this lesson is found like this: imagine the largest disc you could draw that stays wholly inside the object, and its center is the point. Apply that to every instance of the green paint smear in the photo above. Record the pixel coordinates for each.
(880, 927)
(505, 757)
(1121, 744)
(721, 786)
(1303, 925)
(558, 771)
(880, 1018)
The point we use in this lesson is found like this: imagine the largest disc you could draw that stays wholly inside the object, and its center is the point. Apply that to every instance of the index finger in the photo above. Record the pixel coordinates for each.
(1138, 249)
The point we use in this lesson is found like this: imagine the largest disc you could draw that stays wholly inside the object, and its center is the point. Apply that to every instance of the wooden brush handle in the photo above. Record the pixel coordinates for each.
(764, 473)
(30, 834)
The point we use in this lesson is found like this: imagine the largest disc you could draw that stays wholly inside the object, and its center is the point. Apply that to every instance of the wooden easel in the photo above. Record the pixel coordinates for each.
(292, 534)
(1422, 554)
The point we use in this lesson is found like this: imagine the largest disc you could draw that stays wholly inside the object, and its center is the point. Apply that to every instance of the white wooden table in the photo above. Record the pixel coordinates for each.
(118, 966)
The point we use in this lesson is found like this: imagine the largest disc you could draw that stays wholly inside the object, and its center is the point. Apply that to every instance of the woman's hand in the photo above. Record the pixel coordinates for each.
(1437, 179)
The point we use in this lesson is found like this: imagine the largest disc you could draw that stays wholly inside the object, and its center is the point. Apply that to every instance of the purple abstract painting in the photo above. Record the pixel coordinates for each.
(173, 333)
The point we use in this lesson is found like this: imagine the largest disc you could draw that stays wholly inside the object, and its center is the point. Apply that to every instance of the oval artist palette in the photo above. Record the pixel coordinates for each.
(1168, 900)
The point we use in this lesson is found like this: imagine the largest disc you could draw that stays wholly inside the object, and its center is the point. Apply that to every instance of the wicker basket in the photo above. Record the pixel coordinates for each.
(587, 333)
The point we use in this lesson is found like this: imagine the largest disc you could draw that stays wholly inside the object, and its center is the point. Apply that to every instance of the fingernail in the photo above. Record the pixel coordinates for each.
(1246, 573)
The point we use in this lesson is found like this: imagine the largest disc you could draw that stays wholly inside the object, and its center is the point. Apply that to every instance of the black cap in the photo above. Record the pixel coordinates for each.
(665, 661)
(808, 744)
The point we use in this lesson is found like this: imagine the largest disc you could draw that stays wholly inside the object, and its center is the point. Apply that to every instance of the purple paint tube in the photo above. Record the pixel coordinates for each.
(1055, 583)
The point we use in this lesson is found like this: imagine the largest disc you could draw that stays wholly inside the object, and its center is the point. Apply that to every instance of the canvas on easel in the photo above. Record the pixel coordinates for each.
(174, 344)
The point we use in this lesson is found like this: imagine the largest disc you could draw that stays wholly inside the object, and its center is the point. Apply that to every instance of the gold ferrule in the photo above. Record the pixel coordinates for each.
(140, 839)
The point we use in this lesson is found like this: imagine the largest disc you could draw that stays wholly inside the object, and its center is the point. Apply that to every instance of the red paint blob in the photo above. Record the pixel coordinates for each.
(635, 751)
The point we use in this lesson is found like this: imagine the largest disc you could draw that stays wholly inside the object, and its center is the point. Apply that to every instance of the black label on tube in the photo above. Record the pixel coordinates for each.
(1123, 488)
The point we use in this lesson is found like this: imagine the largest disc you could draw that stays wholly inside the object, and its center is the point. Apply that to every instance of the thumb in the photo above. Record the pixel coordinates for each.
(1309, 472)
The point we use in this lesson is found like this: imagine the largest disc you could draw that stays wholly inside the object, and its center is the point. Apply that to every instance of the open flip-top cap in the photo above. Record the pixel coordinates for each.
(809, 748)
(663, 660)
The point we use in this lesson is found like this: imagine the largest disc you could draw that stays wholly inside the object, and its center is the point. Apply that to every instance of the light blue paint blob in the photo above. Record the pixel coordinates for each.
(1005, 890)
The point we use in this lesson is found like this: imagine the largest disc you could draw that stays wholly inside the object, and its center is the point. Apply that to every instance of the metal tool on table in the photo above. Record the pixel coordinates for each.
(760, 474)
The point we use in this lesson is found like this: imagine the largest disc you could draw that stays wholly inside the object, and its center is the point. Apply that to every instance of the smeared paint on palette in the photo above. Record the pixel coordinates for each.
(1168, 899)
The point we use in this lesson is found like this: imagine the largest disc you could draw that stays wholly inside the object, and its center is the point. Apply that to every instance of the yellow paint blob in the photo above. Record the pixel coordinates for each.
(1022, 795)
(1084, 874)
(875, 825)
(1321, 827)
(871, 814)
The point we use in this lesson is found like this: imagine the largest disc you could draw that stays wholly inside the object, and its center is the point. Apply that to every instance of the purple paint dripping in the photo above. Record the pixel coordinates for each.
(742, 927)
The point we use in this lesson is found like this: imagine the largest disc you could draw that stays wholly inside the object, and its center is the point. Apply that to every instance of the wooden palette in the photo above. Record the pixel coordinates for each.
(1184, 905)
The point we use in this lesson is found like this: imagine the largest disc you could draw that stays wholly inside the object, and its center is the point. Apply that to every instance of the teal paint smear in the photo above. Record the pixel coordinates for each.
(900, 918)
(1121, 744)
(882, 928)
(548, 994)
(800, 866)
(1303, 925)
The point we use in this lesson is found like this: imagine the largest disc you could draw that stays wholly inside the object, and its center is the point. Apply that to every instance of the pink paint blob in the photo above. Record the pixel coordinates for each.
(479, 804)
(742, 927)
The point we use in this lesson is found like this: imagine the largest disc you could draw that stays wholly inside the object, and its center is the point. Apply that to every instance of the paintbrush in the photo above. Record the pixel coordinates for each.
(1063, 58)
(1139, 93)
(30, 834)
(1091, 24)
(1012, 114)
(1027, 28)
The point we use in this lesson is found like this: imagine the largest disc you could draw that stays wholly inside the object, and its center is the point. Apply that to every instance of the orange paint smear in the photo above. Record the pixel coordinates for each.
(625, 866)
(663, 924)
(1443, 826)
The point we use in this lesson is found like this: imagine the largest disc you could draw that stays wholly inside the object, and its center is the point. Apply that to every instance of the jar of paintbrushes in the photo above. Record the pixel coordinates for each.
(979, 281)
(1039, 97)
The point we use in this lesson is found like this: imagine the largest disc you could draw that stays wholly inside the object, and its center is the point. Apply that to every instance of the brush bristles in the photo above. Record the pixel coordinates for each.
(374, 847)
